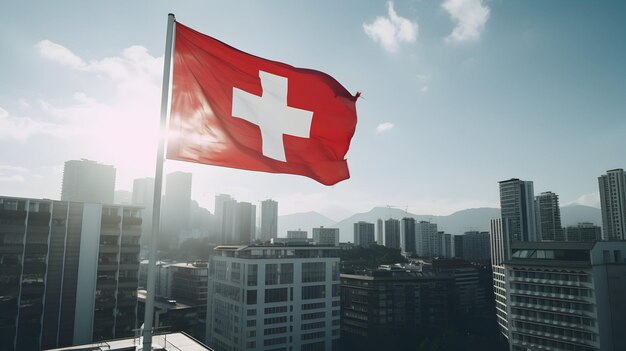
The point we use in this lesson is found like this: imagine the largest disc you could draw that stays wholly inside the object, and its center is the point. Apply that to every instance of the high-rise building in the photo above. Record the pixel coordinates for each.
(407, 235)
(380, 232)
(68, 272)
(458, 246)
(446, 244)
(264, 297)
(326, 236)
(88, 181)
(426, 238)
(476, 246)
(566, 296)
(500, 247)
(364, 234)
(613, 202)
(517, 205)
(393, 308)
(269, 220)
(245, 223)
(225, 208)
(548, 217)
(582, 232)
(392, 233)
(143, 196)
(176, 206)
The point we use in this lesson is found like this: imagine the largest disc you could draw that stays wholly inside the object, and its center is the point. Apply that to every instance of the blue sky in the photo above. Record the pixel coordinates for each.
(457, 95)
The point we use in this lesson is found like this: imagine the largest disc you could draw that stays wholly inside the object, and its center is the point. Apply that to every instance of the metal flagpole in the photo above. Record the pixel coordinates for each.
(158, 185)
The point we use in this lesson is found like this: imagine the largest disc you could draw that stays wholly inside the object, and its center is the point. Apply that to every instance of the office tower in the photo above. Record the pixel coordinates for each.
(176, 206)
(245, 223)
(380, 232)
(566, 296)
(476, 246)
(401, 308)
(407, 235)
(69, 272)
(517, 205)
(164, 342)
(326, 236)
(225, 208)
(269, 220)
(446, 244)
(613, 202)
(297, 234)
(426, 234)
(364, 234)
(88, 181)
(458, 246)
(548, 217)
(264, 297)
(582, 232)
(500, 247)
(392, 233)
(143, 196)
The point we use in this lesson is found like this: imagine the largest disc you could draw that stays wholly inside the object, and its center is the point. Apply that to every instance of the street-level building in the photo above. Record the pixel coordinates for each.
(566, 296)
(267, 297)
(68, 272)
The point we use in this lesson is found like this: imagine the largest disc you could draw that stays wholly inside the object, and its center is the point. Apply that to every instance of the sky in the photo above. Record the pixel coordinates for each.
(456, 95)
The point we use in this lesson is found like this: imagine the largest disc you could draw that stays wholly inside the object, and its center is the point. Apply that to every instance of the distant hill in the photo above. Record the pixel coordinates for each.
(305, 221)
(574, 214)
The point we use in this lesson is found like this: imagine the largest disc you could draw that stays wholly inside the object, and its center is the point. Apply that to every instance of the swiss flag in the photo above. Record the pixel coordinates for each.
(233, 109)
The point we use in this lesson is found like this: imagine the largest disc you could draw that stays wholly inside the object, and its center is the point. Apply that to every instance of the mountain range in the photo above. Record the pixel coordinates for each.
(456, 223)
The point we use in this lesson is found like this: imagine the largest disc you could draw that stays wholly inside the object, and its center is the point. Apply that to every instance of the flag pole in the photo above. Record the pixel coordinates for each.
(158, 185)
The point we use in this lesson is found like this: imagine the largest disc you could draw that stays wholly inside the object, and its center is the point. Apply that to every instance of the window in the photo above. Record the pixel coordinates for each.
(313, 272)
(276, 295)
(313, 292)
(252, 274)
(251, 299)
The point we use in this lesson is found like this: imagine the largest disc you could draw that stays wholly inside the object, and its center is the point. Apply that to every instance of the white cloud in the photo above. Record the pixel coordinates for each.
(21, 128)
(424, 89)
(591, 199)
(59, 53)
(126, 110)
(24, 104)
(469, 16)
(383, 127)
(12, 174)
(392, 30)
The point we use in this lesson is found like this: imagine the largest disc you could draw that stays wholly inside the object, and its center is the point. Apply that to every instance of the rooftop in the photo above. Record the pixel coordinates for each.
(162, 342)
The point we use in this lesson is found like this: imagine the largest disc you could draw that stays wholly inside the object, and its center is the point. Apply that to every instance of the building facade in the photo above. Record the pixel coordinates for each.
(69, 272)
(364, 234)
(426, 239)
(476, 246)
(407, 235)
(517, 205)
(392, 233)
(583, 232)
(566, 296)
(326, 236)
(393, 308)
(269, 220)
(500, 248)
(88, 181)
(380, 232)
(548, 217)
(267, 297)
(613, 203)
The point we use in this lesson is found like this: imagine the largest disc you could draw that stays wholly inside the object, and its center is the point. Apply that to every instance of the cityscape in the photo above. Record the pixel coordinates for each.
(236, 175)
(74, 272)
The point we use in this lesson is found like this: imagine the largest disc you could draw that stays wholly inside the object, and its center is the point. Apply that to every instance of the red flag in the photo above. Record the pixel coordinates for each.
(236, 110)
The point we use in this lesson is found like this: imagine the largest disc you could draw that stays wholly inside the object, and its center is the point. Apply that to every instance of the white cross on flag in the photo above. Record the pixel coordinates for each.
(236, 110)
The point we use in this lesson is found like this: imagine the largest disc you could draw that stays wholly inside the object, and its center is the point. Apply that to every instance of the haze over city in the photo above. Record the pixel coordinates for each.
(454, 99)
